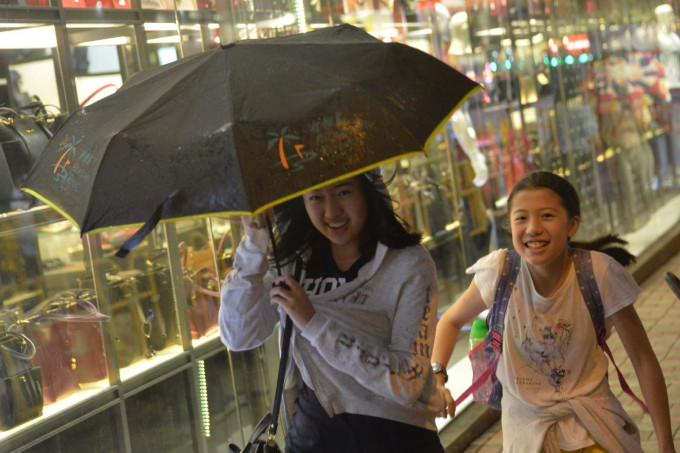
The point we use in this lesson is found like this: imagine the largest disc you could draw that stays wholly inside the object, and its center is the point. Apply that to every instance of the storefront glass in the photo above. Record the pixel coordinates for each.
(589, 90)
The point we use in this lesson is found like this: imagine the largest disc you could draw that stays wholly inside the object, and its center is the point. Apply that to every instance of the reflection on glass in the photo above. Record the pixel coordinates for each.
(29, 107)
(200, 278)
(255, 377)
(97, 434)
(40, 297)
(102, 58)
(140, 296)
(220, 403)
(159, 418)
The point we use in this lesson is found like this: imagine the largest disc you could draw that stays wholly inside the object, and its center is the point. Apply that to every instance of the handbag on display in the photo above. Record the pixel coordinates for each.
(133, 325)
(22, 140)
(68, 344)
(21, 396)
(138, 316)
(202, 290)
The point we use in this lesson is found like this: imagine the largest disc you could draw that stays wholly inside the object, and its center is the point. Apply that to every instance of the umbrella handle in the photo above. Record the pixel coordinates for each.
(271, 235)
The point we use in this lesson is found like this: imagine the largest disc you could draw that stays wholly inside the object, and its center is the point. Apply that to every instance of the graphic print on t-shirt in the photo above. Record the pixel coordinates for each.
(546, 344)
(321, 285)
(323, 274)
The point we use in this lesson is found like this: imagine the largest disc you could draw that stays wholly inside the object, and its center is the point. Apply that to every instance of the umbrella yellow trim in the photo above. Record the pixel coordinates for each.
(275, 202)
(448, 117)
(51, 204)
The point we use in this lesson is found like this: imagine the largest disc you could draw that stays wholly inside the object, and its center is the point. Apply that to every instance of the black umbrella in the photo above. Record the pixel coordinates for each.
(240, 128)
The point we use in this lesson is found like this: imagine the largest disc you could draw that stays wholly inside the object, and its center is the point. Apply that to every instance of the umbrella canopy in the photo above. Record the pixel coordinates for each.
(240, 128)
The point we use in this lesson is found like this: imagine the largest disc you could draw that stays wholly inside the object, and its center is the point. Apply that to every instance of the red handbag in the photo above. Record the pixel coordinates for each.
(204, 305)
(202, 293)
(59, 376)
(68, 342)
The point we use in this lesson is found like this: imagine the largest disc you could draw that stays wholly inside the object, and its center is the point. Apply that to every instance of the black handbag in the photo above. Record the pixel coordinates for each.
(21, 397)
(263, 437)
(22, 140)
(260, 440)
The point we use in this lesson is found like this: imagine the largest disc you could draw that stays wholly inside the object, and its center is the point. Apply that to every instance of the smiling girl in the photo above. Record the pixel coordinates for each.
(364, 313)
(556, 395)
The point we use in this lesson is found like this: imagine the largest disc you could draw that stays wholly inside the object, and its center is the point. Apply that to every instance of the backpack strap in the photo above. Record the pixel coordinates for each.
(583, 265)
(493, 343)
(496, 317)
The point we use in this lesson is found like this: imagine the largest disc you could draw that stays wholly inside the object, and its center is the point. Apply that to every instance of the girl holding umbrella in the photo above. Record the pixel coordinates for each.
(364, 313)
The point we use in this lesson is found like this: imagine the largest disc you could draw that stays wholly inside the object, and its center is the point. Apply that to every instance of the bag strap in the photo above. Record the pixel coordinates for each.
(17, 344)
(583, 264)
(56, 308)
(285, 347)
(496, 319)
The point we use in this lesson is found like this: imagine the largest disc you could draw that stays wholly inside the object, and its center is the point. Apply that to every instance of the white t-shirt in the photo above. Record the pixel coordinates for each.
(550, 351)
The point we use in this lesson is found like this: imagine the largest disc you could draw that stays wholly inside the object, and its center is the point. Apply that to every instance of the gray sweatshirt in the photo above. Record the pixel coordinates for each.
(366, 350)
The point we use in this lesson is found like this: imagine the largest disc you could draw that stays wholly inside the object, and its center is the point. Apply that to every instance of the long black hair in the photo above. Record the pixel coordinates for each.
(295, 233)
(611, 244)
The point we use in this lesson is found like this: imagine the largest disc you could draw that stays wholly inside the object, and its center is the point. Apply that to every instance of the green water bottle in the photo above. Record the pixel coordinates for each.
(478, 333)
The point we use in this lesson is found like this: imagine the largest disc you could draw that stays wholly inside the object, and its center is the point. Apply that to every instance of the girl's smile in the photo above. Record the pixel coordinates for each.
(541, 228)
(339, 212)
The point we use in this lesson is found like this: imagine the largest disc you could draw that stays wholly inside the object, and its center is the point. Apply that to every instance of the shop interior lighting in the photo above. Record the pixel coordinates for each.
(30, 37)
(160, 26)
(452, 226)
(500, 31)
(299, 8)
(24, 36)
(115, 41)
(203, 396)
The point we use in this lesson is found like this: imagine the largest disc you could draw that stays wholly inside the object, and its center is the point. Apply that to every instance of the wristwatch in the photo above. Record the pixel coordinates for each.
(439, 369)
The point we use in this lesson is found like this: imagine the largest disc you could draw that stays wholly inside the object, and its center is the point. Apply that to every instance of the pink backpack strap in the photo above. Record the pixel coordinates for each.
(481, 379)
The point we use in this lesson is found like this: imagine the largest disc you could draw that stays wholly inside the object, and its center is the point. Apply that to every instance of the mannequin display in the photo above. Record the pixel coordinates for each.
(473, 173)
(669, 44)
(635, 162)
(465, 134)
(459, 34)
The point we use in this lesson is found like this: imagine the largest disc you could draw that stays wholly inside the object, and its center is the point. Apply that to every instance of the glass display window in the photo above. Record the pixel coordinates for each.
(41, 299)
(102, 58)
(98, 433)
(584, 90)
(201, 277)
(161, 417)
(140, 299)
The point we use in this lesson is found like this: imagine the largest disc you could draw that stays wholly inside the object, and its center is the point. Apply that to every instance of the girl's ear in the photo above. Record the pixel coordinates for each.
(574, 223)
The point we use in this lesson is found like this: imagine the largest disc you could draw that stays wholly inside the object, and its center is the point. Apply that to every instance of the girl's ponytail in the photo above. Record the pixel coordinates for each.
(611, 244)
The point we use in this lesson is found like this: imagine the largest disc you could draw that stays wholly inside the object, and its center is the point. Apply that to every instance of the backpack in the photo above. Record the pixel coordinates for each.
(485, 388)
